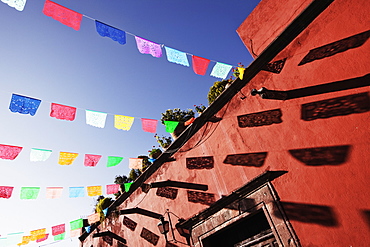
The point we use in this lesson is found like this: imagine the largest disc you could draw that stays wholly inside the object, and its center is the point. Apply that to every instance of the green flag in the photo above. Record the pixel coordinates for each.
(29, 192)
(60, 236)
(76, 224)
(113, 161)
(171, 126)
(127, 186)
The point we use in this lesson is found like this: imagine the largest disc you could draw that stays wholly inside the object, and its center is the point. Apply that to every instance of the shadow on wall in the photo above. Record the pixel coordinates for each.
(320, 156)
(310, 213)
(366, 215)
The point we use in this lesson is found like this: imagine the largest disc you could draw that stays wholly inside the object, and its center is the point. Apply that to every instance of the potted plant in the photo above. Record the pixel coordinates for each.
(217, 88)
(180, 116)
(164, 141)
(199, 109)
(154, 153)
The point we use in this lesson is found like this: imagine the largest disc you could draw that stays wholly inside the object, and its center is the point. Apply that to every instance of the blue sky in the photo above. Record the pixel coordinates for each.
(44, 59)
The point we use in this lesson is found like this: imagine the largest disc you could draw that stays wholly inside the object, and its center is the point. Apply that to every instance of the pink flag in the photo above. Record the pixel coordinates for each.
(92, 159)
(9, 152)
(54, 192)
(93, 218)
(59, 229)
(149, 125)
(63, 112)
(75, 233)
(66, 16)
(6, 192)
(43, 239)
(148, 47)
(135, 163)
(112, 188)
(200, 65)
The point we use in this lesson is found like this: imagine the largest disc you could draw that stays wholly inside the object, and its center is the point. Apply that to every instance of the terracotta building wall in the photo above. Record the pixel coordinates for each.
(323, 146)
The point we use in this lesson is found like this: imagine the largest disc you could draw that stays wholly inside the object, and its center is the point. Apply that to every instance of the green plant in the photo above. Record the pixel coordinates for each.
(177, 115)
(164, 141)
(154, 152)
(121, 180)
(200, 108)
(217, 88)
(102, 203)
(236, 71)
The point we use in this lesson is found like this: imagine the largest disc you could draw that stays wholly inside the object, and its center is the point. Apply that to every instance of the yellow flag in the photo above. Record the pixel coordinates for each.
(94, 190)
(241, 72)
(25, 240)
(38, 234)
(123, 122)
(67, 158)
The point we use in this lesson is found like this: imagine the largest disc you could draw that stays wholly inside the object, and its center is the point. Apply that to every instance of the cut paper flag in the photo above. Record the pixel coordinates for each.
(54, 192)
(95, 118)
(111, 32)
(38, 234)
(63, 112)
(135, 163)
(24, 105)
(3, 242)
(241, 72)
(67, 158)
(76, 192)
(59, 229)
(60, 13)
(221, 70)
(29, 192)
(39, 154)
(25, 240)
(91, 159)
(88, 229)
(200, 65)
(76, 224)
(75, 233)
(6, 191)
(175, 56)
(111, 188)
(17, 4)
(149, 125)
(9, 152)
(14, 238)
(171, 126)
(93, 218)
(123, 122)
(59, 236)
(43, 239)
(113, 161)
(148, 47)
(190, 121)
(94, 190)
(105, 211)
(127, 186)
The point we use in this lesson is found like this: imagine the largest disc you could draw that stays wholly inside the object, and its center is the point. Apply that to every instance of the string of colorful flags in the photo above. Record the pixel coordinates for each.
(10, 152)
(73, 19)
(57, 231)
(31, 193)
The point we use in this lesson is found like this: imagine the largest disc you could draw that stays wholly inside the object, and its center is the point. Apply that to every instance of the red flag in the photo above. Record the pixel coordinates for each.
(6, 192)
(63, 112)
(9, 152)
(200, 65)
(112, 188)
(91, 159)
(66, 16)
(59, 229)
(149, 125)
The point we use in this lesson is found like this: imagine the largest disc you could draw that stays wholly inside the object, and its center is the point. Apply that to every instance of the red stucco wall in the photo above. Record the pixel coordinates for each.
(341, 189)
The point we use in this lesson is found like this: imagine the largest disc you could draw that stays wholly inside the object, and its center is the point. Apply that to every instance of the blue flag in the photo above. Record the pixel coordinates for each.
(24, 105)
(111, 32)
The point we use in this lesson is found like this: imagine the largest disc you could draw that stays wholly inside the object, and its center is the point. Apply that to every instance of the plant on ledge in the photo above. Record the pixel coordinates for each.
(217, 88)
(180, 116)
(164, 141)
(199, 109)
(154, 153)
